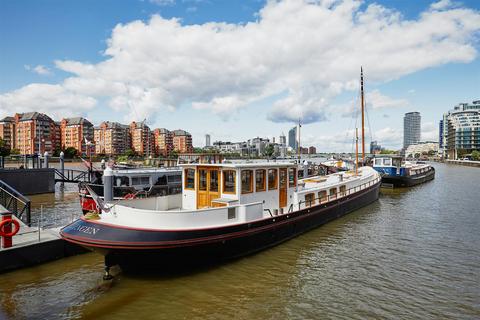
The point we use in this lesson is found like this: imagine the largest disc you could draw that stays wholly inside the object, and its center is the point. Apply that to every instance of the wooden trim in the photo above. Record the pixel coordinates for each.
(252, 177)
(295, 177)
(264, 180)
(234, 181)
(276, 179)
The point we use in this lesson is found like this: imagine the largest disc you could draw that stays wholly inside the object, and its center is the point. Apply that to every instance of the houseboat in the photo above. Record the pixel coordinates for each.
(132, 183)
(397, 173)
(225, 210)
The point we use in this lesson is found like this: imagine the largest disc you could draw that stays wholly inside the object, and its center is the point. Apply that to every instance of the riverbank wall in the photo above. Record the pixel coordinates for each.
(30, 181)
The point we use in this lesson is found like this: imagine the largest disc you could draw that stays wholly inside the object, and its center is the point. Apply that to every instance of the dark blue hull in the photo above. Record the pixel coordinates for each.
(408, 181)
(154, 248)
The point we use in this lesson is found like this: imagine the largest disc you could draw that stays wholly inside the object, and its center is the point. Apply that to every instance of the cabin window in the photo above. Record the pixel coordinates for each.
(202, 180)
(292, 177)
(378, 162)
(309, 199)
(283, 178)
(214, 180)
(189, 179)
(333, 193)
(174, 178)
(137, 181)
(247, 181)
(229, 181)
(260, 180)
(272, 179)
(387, 162)
(122, 181)
(343, 190)
(322, 196)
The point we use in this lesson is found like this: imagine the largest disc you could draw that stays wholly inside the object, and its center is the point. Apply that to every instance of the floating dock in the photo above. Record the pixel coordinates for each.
(32, 246)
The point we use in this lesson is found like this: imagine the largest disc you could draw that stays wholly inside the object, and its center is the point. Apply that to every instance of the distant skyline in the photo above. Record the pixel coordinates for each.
(240, 69)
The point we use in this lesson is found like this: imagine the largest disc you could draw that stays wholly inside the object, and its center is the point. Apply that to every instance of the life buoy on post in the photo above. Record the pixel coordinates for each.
(14, 231)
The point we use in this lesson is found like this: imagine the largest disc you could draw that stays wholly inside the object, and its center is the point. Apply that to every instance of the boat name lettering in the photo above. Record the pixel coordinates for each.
(86, 229)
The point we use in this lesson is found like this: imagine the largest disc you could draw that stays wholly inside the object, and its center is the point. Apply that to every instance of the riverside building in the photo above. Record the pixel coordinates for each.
(75, 133)
(163, 139)
(411, 128)
(112, 138)
(460, 130)
(142, 138)
(182, 141)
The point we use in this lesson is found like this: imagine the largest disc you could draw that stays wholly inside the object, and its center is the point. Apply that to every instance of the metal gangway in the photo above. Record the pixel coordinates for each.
(15, 202)
(72, 176)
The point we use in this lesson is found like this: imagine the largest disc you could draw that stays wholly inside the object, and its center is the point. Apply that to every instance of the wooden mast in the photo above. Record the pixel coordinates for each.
(363, 115)
(356, 151)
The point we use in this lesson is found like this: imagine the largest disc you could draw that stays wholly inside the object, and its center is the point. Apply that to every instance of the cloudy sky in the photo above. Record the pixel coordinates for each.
(238, 69)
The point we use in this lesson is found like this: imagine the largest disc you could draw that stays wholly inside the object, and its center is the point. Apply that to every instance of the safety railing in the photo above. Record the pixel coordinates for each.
(330, 197)
(15, 202)
(71, 175)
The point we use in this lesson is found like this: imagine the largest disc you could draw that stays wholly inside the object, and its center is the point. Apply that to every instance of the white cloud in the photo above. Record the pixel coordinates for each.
(429, 131)
(40, 69)
(309, 50)
(373, 100)
(163, 2)
(52, 99)
(442, 4)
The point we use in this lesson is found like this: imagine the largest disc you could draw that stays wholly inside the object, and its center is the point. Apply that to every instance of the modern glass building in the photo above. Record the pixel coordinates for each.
(461, 130)
(292, 138)
(411, 128)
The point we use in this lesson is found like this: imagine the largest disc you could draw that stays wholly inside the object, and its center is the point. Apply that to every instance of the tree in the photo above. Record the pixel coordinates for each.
(130, 153)
(70, 152)
(476, 155)
(386, 151)
(269, 150)
(4, 150)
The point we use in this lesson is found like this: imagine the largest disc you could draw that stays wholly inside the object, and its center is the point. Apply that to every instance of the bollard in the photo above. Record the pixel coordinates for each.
(108, 184)
(46, 159)
(103, 164)
(2, 162)
(62, 167)
(25, 163)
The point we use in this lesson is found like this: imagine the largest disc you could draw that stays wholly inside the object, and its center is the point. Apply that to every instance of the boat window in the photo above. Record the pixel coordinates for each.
(161, 181)
(322, 195)
(309, 199)
(214, 180)
(189, 179)
(272, 179)
(247, 181)
(343, 190)
(378, 162)
(174, 178)
(260, 180)
(283, 178)
(202, 179)
(292, 177)
(397, 162)
(229, 181)
(121, 181)
(136, 181)
(387, 162)
(333, 193)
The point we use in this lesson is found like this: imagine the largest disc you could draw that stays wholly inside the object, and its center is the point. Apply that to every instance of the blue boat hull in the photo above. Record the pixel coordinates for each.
(408, 181)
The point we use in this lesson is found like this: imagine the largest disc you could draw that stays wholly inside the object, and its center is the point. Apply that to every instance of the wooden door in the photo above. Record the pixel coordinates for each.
(208, 186)
(283, 177)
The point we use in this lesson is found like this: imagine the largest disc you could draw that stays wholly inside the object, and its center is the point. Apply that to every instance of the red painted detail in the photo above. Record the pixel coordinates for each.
(129, 196)
(6, 230)
(88, 204)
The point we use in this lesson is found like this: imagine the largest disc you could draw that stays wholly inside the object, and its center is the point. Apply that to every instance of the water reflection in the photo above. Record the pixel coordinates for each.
(413, 254)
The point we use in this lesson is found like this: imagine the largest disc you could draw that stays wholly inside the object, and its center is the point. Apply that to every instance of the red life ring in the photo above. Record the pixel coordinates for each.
(129, 196)
(13, 232)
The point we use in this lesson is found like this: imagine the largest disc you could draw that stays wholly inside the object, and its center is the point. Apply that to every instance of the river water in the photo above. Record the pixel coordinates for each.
(414, 254)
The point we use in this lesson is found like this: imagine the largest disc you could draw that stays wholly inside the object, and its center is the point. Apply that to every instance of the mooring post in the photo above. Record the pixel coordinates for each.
(62, 167)
(103, 164)
(25, 164)
(108, 184)
(1, 162)
(6, 241)
(45, 155)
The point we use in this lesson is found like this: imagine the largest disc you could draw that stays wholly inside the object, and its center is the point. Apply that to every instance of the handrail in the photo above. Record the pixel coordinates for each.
(337, 196)
(14, 197)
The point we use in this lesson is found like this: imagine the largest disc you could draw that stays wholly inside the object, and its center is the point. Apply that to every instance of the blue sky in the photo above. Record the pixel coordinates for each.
(37, 36)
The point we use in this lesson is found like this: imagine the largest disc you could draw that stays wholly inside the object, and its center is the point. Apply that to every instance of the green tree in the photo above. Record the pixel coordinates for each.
(386, 151)
(130, 153)
(70, 152)
(14, 151)
(4, 150)
(269, 150)
(476, 155)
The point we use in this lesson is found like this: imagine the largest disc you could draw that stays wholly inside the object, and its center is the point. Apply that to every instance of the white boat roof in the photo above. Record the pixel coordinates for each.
(264, 164)
(146, 171)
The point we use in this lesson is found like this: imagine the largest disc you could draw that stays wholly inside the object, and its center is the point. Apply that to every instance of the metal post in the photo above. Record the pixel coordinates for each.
(46, 159)
(40, 221)
(2, 165)
(25, 164)
(108, 184)
(62, 167)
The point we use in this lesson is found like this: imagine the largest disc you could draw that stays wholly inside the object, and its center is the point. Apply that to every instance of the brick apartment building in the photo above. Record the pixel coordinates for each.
(35, 133)
(182, 141)
(112, 138)
(75, 132)
(7, 131)
(142, 139)
(163, 140)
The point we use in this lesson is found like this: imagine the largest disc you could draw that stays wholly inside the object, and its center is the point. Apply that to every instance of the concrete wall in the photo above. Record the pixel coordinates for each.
(30, 181)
